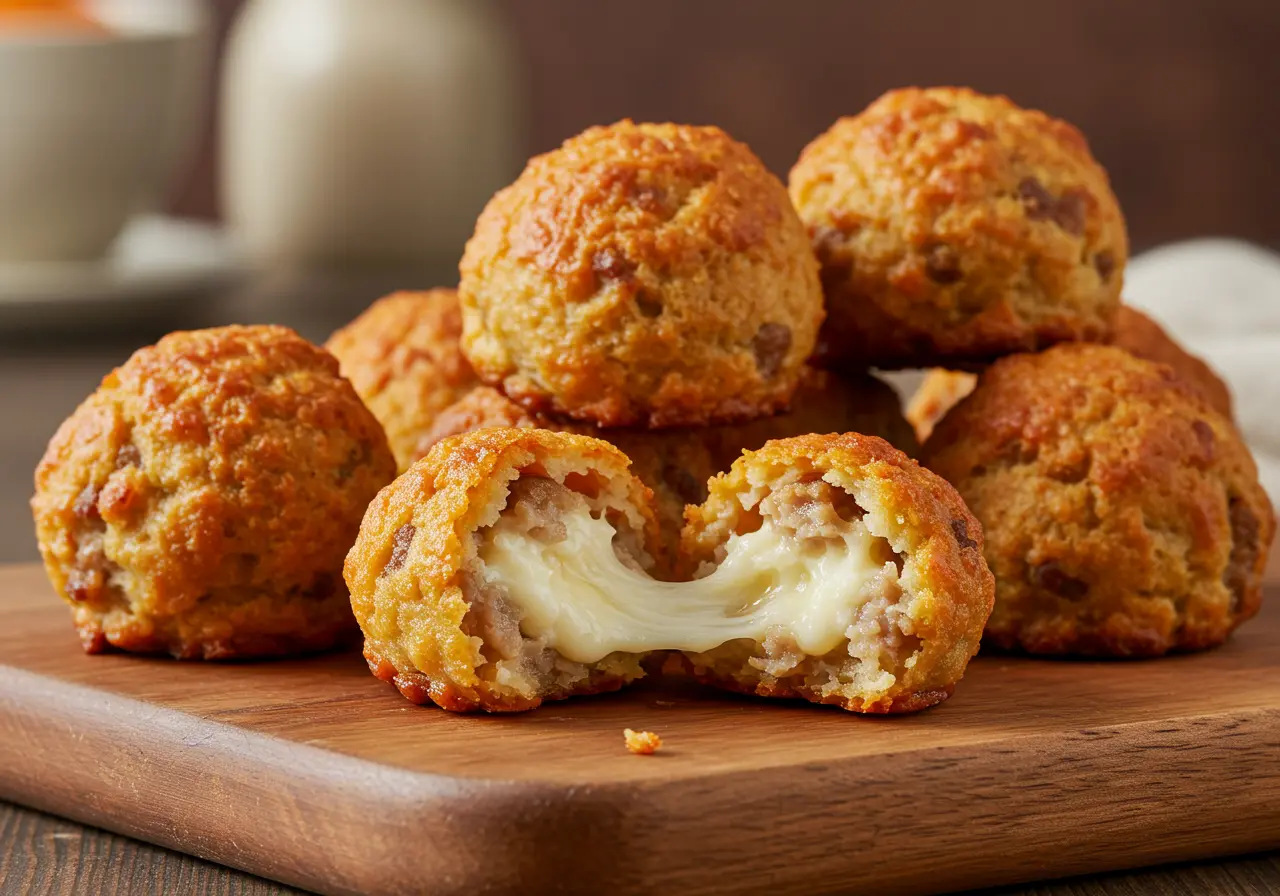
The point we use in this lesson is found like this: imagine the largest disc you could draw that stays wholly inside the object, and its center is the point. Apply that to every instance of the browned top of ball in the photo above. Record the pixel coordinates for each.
(625, 178)
(1100, 391)
(642, 274)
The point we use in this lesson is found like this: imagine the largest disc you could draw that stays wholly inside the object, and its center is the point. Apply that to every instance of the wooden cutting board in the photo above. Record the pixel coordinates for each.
(314, 773)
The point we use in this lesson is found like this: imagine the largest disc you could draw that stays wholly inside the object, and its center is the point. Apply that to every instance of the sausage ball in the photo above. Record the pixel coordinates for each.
(1135, 333)
(824, 402)
(1122, 512)
(404, 356)
(642, 275)
(862, 570)
(449, 576)
(201, 501)
(514, 566)
(674, 463)
(953, 228)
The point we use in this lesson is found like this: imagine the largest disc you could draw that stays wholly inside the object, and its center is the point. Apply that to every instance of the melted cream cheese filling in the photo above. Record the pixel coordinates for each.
(578, 597)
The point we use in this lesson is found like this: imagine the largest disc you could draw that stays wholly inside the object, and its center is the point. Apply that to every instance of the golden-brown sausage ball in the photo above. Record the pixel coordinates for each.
(824, 403)
(642, 274)
(426, 574)
(954, 227)
(882, 562)
(201, 501)
(674, 463)
(1135, 333)
(514, 566)
(404, 356)
(1123, 514)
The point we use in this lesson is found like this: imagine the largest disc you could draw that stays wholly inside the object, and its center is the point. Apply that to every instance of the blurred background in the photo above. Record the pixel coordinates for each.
(1177, 97)
(178, 163)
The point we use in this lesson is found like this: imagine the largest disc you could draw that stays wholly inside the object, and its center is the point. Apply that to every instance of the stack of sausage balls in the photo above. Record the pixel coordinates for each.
(643, 432)
(1122, 513)
(648, 289)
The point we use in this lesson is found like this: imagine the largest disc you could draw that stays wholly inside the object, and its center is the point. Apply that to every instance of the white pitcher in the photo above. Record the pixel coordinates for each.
(361, 133)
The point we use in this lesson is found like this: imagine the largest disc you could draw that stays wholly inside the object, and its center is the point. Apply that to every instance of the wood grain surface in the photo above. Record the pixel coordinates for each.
(313, 773)
(45, 856)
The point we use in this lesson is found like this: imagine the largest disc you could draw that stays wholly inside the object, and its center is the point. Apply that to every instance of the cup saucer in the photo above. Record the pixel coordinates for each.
(157, 262)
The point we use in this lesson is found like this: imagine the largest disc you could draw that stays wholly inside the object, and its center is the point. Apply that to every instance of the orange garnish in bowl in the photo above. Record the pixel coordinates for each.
(46, 15)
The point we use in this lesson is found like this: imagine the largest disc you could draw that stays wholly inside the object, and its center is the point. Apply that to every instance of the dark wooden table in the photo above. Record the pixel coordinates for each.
(43, 377)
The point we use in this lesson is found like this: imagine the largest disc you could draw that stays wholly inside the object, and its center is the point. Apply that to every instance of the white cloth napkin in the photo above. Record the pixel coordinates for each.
(1221, 299)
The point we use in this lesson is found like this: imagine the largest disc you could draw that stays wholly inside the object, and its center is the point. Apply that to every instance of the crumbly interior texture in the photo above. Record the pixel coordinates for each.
(812, 578)
(433, 625)
(848, 623)
(512, 566)
(519, 651)
(925, 591)
(674, 463)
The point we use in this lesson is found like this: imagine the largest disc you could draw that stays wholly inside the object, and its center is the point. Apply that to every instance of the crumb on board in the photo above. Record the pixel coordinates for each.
(644, 743)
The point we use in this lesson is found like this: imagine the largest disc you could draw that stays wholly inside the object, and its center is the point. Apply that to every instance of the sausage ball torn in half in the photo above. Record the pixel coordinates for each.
(838, 570)
(513, 566)
(474, 573)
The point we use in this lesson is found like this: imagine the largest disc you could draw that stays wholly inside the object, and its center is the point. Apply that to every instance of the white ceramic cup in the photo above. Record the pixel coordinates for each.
(365, 133)
(88, 128)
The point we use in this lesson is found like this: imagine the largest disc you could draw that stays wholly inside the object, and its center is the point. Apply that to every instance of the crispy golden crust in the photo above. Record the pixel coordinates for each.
(930, 531)
(408, 570)
(674, 463)
(1135, 333)
(953, 228)
(405, 360)
(1123, 513)
(642, 274)
(200, 502)
(824, 402)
